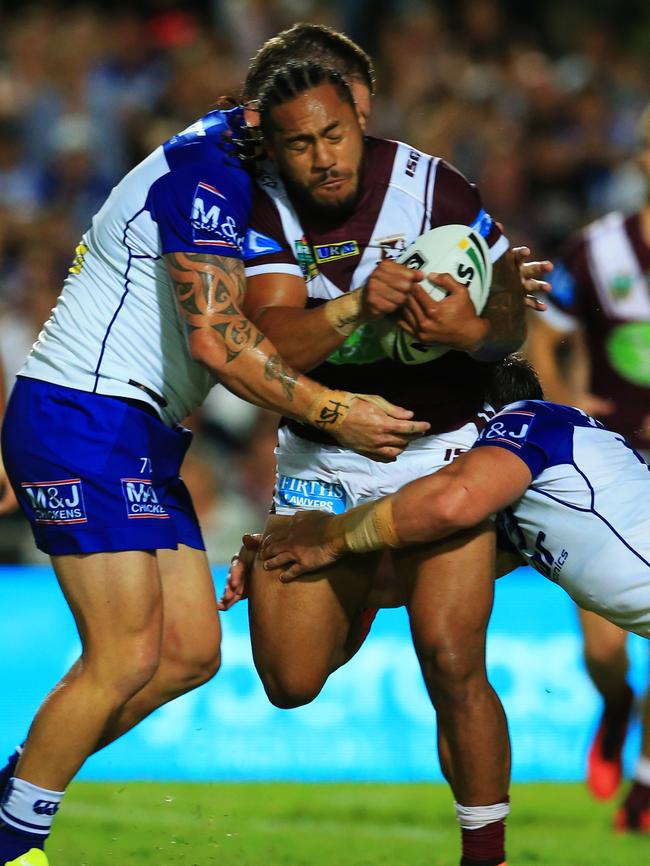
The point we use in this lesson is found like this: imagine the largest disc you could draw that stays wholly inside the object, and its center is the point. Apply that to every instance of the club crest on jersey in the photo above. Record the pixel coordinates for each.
(209, 225)
(55, 502)
(310, 493)
(306, 260)
(141, 498)
(332, 252)
(391, 246)
(621, 286)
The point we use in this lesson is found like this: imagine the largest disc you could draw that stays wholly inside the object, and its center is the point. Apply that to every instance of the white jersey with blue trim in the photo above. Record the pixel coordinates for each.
(584, 521)
(115, 328)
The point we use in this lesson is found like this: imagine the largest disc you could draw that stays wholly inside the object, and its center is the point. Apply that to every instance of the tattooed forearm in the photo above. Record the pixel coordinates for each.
(275, 368)
(238, 335)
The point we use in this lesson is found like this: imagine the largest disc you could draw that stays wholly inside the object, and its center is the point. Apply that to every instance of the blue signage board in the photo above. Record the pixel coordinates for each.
(372, 721)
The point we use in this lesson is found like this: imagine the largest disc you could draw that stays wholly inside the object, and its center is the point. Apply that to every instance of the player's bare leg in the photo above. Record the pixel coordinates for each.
(116, 601)
(175, 650)
(300, 630)
(607, 664)
(190, 648)
(634, 812)
(449, 607)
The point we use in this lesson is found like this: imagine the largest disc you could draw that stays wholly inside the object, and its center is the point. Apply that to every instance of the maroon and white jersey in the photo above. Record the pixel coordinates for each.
(404, 193)
(603, 284)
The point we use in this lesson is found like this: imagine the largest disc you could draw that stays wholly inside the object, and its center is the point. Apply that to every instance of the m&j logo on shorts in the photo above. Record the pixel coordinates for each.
(56, 501)
(141, 498)
(310, 493)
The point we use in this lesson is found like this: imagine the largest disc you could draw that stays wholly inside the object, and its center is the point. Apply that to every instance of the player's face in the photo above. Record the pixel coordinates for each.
(317, 143)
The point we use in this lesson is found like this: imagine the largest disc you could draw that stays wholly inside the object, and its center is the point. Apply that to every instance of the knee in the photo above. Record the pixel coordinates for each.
(125, 670)
(189, 663)
(608, 654)
(453, 672)
(290, 688)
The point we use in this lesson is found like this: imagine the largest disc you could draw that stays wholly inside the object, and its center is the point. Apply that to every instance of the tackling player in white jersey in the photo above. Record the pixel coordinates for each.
(573, 500)
(599, 323)
(149, 317)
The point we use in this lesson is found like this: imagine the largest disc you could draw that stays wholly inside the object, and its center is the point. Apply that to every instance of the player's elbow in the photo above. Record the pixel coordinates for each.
(206, 348)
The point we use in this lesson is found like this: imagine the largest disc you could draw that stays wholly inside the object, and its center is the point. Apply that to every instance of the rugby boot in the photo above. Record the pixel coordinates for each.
(633, 815)
(605, 760)
(34, 857)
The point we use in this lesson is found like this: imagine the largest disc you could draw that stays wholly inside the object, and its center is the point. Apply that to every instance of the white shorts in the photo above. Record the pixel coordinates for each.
(334, 479)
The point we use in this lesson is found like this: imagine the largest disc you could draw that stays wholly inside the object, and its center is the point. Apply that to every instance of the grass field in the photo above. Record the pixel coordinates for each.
(148, 824)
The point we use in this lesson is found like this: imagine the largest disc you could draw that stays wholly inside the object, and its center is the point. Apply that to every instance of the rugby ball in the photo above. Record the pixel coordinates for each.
(453, 249)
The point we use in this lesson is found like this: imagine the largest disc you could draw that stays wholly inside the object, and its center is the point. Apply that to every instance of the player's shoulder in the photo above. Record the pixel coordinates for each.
(595, 231)
(398, 165)
(524, 419)
(539, 432)
(551, 413)
(207, 142)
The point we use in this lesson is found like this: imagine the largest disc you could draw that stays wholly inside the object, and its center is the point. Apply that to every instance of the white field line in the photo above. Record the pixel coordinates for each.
(163, 816)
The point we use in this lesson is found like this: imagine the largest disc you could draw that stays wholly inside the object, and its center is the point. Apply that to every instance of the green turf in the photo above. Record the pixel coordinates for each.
(146, 824)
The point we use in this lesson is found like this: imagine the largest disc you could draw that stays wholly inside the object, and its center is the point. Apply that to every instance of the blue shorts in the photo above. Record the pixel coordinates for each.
(95, 473)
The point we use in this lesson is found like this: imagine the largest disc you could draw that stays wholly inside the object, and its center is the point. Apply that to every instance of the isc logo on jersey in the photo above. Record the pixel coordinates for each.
(56, 501)
(209, 225)
(141, 498)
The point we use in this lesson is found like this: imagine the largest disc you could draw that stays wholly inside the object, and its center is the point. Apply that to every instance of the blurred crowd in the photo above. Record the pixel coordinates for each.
(537, 105)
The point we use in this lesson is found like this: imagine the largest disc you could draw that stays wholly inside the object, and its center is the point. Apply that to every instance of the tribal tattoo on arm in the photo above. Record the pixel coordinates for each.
(209, 290)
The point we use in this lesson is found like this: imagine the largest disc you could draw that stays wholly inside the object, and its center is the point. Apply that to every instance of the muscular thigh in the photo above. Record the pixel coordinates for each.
(450, 589)
(114, 597)
(307, 621)
(602, 639)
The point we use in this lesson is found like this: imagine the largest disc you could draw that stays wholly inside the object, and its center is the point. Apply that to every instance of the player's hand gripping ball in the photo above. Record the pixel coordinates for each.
(456, 250)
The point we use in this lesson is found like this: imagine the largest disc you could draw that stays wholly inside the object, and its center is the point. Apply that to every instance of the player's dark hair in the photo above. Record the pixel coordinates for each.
(291, 80)
(511, 379)
(308, 42)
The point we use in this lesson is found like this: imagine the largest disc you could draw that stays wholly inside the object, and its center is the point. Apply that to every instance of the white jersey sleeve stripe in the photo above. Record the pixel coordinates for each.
(274, 268)
(499, 248)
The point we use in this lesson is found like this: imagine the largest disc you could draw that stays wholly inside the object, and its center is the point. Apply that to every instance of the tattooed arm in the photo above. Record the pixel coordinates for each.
(505, 311)
(209, 291)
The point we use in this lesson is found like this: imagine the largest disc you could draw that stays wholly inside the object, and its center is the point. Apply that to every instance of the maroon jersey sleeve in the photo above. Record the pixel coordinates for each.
(266, 248)
(457, 201)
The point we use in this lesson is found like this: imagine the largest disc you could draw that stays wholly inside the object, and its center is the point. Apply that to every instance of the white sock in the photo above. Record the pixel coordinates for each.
(28, 808)
(475, 817)
(642, 772)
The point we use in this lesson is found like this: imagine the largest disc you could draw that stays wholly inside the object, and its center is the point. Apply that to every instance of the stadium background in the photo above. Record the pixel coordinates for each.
(536, 104)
